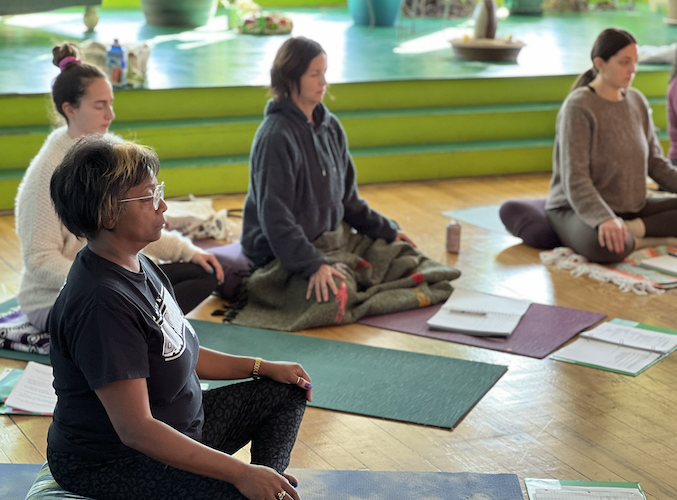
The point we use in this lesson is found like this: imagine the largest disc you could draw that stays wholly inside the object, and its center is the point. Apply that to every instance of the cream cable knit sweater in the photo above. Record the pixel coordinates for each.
(47, 247)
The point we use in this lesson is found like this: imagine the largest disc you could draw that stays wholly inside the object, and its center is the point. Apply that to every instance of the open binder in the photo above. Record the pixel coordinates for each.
(620, 346)
(480, 314)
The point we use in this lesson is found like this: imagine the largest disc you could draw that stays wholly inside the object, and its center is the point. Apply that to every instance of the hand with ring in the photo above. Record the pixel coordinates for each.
(287, 373)
(259, 481)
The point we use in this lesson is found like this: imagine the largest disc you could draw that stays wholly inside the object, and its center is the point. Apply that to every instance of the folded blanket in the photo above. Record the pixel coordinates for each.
(381, 277)
(17, 334)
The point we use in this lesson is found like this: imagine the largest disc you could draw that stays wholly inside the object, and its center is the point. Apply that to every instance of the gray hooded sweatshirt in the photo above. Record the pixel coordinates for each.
(302, 183)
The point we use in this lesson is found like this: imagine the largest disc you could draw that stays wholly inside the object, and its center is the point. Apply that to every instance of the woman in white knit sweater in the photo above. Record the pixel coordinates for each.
(83, 96)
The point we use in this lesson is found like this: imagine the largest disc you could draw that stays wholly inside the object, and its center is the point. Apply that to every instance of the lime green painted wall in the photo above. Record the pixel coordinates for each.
(115, 4)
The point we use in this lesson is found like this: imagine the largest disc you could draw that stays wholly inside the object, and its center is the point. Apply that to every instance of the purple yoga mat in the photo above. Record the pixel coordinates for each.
(541, 330)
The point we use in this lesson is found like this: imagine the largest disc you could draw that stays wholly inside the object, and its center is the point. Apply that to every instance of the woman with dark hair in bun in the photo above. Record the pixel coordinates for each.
(84, 98)
(605, 147)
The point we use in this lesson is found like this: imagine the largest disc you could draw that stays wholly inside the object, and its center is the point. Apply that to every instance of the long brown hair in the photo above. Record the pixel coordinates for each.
(607, 44)
(291, 62)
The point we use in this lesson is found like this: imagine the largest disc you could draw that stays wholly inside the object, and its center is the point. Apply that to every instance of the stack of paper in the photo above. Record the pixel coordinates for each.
(622, 346)
(663, 263)
(33, 392)
(480, 314)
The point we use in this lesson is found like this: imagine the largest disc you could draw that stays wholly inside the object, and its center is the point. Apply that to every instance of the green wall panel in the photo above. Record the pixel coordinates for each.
(219, 140)
(8, 189)
(19, 149)
(25, 110)
(116, 4)
(206, 180)
(441, 165)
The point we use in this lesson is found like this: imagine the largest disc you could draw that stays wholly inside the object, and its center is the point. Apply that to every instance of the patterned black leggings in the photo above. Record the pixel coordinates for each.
(261, 411)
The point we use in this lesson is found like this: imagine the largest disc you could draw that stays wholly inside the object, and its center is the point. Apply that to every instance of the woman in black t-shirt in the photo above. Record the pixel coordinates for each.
(131, 420)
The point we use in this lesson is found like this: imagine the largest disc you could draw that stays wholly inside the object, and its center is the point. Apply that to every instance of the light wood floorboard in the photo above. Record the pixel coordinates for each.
(543, 419)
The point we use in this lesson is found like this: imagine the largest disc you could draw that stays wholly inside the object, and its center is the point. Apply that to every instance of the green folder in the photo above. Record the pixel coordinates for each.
(546, 489)
(560, 355)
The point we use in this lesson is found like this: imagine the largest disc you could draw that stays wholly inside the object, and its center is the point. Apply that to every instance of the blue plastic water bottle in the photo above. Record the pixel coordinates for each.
(116, 62)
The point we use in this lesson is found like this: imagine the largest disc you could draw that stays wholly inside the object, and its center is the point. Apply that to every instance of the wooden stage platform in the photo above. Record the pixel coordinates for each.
(411, 111)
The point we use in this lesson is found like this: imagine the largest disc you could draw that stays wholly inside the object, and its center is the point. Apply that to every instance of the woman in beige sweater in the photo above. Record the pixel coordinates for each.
(83, 96)
(605, 147)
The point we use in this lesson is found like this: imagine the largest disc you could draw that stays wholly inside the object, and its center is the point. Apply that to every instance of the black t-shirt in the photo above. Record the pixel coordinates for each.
(111, 324)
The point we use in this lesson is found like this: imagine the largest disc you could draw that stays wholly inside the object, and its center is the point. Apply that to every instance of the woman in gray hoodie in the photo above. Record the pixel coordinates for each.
(302, 178)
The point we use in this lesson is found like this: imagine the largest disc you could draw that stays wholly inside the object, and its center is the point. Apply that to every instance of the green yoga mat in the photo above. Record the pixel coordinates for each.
(398, 385)
(353, 378)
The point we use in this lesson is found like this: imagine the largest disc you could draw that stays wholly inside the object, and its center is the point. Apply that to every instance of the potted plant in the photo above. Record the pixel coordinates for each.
(190, 13)
(374, 12)
(524, 7)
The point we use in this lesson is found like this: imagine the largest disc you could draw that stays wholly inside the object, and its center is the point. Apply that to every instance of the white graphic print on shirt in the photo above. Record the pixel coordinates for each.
(174, 326)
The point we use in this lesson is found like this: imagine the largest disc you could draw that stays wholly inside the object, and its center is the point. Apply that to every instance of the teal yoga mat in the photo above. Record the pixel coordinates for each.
(353, 378)
(398, 385)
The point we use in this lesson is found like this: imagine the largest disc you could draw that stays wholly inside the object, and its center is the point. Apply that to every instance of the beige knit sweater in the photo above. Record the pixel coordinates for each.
(47, 247)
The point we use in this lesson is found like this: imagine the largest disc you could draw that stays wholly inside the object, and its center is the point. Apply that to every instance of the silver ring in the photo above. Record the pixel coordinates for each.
(281, 495)
(298, 380)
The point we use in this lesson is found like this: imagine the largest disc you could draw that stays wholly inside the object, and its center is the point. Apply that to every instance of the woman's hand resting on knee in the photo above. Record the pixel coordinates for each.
(321, 281)
(287, 373)
(612, 235)
(263, 483)
(403, 237)
(209, 263)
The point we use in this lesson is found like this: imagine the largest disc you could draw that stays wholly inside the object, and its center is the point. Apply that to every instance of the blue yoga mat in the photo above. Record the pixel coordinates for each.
(485, 217)
(16, 480)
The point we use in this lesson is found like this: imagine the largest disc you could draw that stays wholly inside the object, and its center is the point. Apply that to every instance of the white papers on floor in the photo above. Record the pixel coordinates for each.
(604, 355)
(476, 313)
(665, 263)
(633, 337)
(34, 391)
(588, 493)
(618, 347)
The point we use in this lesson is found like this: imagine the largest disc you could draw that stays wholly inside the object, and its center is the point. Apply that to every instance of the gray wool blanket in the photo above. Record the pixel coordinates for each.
(381, 277)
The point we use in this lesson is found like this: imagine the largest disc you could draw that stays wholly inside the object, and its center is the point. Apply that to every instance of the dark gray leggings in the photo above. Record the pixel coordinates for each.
(261, 411)
(659, 216)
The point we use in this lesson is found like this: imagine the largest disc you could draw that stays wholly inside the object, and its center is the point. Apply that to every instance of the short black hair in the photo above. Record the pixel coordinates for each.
(96, 173)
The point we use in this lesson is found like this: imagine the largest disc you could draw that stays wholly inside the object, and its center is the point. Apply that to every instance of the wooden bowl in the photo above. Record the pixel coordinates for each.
(486, 49)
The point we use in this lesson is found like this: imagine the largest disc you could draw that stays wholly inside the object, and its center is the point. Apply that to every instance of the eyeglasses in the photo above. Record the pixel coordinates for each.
(158, 194)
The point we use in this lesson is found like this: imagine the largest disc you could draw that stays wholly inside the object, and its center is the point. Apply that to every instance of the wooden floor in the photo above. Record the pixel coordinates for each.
(543, 419)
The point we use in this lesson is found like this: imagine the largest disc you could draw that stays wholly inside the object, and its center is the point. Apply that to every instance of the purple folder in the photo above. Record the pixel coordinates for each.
(541, 330)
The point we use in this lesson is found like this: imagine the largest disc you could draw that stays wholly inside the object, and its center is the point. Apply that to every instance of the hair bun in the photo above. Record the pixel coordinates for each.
(63, 51)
